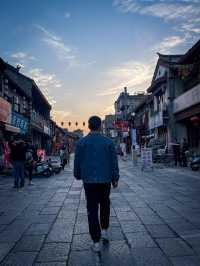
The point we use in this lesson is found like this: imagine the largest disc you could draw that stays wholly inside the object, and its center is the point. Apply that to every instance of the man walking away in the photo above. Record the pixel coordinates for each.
(31, 158)
(96, 164)
(18, 158)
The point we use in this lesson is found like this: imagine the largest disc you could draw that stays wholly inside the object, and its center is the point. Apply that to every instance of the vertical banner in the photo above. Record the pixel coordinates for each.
(133, 136)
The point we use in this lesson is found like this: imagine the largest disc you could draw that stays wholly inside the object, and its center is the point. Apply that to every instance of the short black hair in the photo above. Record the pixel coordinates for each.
(94, 123)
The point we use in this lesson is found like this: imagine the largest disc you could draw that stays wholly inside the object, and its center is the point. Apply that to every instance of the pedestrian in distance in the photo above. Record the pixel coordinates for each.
(184, 150)
(18, 158)
(123, 149)
(96, 164)
(176, 152)
(31, 159)
(134, 155)
(64, 156)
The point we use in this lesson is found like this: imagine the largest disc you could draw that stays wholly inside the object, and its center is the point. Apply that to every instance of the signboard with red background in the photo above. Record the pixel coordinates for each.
(120, 124)
(5, 111)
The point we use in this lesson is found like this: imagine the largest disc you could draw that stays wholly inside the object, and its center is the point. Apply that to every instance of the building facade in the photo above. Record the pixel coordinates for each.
(163, 89)
(23, 108)
(187, 103)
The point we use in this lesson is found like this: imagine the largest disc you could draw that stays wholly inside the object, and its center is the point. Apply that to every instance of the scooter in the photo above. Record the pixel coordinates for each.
(55, 165)
(43, 168)
(195, 163)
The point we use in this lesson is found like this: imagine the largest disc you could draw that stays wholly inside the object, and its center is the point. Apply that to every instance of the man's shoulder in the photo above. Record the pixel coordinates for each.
(106, 139)
(81, 141)
(89, 138)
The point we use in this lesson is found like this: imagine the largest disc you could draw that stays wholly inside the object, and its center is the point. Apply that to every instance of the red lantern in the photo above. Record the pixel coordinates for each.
(195, 120)
(83, 123)
(69, 124)
(76, 124)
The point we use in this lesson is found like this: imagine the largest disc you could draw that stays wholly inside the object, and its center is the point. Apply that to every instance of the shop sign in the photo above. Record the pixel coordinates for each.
(187, 99)
(113, 133)
(5, 111)
(123, 125)
(156, 120)
(37, 121)
(20, 121)
(146, 158)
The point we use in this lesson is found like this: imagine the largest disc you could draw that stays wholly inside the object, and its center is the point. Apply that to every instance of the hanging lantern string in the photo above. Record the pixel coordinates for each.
(70, 123)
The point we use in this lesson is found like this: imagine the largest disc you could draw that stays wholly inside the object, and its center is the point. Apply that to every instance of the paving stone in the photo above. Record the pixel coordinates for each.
(50, 210)
(50, 264)
(60, 233)
(175, 247)
(114, 221)
(182, 227)
(153, 219)
(185, 261)
(4, 249)
(54, 252)
(132, 226)
(38, 229)
(10, 235)
(54, 203)
(81, 228)
(149, 257)
(45, 219)
(117, 253)
(126, 216)
(81, 242)
(19, 259)
(160, 231)
(115, 233)
(140, 239)
(84, 258)
(29, 243)
(2, 227)
(70, 215)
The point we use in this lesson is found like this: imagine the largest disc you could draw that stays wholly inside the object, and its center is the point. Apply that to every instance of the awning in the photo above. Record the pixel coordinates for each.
(186, 114)
(12, 128)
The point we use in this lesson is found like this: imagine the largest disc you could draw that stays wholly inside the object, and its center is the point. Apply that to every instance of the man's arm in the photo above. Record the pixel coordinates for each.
(114, 165)
(77, 168)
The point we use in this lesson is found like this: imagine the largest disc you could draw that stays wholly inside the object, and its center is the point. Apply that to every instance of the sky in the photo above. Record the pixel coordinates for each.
(81, 53)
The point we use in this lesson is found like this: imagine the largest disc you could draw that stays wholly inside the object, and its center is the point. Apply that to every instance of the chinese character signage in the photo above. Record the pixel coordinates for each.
(123, 125)
(20, 121)
(5, 111)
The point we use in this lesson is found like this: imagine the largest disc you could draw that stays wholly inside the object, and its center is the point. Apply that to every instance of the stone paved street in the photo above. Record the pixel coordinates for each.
(155, 220)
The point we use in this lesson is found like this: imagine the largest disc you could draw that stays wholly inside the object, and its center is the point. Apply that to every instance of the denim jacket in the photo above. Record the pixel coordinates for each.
(96, 159)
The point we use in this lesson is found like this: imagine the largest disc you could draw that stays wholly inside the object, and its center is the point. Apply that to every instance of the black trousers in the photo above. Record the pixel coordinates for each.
(29, 172)
(97, 194)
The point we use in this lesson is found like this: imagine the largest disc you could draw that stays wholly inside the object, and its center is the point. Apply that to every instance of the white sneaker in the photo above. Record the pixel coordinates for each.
(96, 247)
(104, 235)
(31, 183)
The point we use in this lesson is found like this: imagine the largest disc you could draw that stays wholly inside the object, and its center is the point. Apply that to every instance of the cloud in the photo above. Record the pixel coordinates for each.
(132, 74)
(61, 116)
(63, 51)
(48, 33)
(67, 15)
(162, 9)
(169, 43)
(108, 110)
(185, 14)
(22, 55)
(48, 82)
